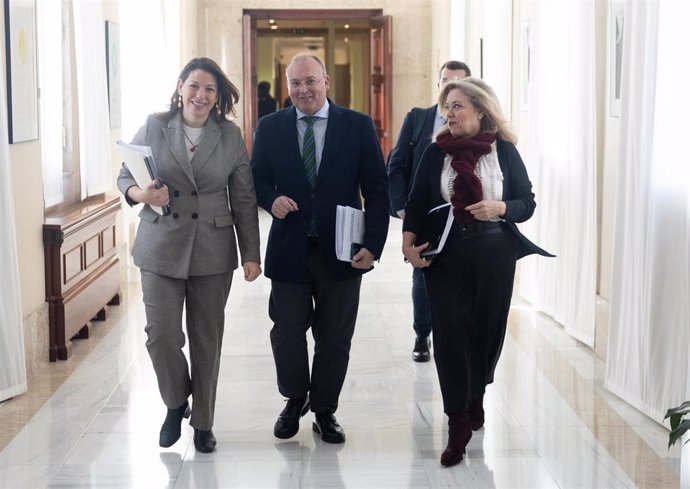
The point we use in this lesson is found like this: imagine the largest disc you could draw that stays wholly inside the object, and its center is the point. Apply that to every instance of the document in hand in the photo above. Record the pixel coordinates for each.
(349, 232)
(139, 161)
(436, 229)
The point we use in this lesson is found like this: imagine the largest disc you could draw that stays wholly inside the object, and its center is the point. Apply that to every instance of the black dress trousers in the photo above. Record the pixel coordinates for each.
(470, 284)
(329, 307)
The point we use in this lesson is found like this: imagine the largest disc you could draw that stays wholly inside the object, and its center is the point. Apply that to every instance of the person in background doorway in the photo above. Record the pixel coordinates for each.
(267, 104)
(187, 257)
(414, 137)
(474, 165)
(307, 160)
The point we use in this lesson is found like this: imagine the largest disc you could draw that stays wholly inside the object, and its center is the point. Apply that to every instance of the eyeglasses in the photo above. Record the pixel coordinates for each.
(309, 82)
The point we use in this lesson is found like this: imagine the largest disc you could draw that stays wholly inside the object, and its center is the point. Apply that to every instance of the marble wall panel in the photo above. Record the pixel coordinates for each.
(36, 339)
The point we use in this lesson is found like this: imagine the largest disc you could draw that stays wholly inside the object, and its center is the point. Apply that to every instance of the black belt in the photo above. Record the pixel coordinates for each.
(475, 229)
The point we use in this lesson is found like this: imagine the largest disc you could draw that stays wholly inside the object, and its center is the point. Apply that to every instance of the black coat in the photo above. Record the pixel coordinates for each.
(517, 193)
(400, 179)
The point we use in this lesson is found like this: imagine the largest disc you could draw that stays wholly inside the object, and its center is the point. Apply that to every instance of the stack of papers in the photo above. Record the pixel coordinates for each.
(140, 163)
(349, 232)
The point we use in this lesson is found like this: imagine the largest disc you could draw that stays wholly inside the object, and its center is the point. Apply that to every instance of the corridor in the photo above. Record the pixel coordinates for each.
(93, 421)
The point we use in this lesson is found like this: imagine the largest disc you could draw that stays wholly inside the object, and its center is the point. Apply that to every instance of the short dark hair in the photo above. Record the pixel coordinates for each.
(455, 65)
(263, 86)
(228, 94)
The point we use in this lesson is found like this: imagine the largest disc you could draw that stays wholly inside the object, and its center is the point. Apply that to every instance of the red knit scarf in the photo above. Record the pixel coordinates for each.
(467, 189)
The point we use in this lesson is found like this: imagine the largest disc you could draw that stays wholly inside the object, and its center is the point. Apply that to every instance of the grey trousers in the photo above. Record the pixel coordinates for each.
(203, 298)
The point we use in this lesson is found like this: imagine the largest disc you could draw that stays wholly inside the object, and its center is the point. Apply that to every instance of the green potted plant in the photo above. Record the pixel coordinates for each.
(680, 429)
(679, 426)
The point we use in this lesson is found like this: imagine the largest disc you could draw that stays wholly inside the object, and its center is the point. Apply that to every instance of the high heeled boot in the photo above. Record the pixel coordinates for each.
(459, 434)
(476, 412)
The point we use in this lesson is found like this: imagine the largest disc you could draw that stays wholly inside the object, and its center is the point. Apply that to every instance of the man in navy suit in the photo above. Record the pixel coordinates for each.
(307, 159)
(400, 175)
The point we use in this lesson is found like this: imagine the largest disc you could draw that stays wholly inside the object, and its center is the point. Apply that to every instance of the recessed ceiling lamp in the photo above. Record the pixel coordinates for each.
(347, 26)
(271, 21)
(274, 27)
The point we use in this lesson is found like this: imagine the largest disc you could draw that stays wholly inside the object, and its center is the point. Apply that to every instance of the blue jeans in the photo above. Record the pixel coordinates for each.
(420, 304)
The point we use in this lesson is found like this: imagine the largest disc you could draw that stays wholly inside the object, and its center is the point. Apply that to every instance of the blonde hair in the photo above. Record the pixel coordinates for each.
(483, 98)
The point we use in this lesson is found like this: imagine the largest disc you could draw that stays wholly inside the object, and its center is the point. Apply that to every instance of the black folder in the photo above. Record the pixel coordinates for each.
(435, 230)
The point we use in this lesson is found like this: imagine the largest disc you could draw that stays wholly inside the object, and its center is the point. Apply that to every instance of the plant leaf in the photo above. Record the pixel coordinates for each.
(682, 409)
(675, 421)
(678, 432)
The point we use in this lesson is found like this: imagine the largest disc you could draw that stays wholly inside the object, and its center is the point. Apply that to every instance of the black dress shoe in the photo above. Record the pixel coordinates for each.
(171, 431)
(287, 424)
(204, 441)
(329, 429)
(421, 350)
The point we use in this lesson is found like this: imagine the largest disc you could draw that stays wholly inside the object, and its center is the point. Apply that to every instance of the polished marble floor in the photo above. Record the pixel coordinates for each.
(92, 422)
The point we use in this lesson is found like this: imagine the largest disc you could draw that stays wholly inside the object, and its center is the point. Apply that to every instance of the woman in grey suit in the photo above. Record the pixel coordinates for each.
(187, 257)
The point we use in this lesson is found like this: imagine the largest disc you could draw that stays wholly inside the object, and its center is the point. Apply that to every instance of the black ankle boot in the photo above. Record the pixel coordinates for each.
(171, 430)
(204, 441)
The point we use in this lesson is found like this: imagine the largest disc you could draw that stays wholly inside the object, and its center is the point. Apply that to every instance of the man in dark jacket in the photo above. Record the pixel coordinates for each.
(307, 160)
(415, 136)
(267, 104)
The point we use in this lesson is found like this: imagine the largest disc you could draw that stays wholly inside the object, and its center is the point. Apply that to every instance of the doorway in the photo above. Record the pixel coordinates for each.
(354, 44)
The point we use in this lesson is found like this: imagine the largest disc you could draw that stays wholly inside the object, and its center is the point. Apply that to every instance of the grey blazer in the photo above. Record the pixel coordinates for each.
(211, 198)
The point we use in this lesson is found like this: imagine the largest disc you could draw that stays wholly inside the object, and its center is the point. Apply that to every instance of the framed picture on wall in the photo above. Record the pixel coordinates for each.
(616, 31)
(526, 42)
(112, 57)
(22, 84)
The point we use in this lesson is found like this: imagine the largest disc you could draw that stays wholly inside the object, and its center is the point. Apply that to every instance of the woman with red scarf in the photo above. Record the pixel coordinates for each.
(474, 165)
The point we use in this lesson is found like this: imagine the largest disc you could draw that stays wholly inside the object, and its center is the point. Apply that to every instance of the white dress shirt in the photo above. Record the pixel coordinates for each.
(319, 130)
(439, 120)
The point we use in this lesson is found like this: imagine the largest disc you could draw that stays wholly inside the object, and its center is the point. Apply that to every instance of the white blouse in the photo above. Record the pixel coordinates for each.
(487, 170)
(192, 138)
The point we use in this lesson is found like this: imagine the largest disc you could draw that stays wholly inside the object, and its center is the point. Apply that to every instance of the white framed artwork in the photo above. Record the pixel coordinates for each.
(526, 62)
(616, 32)
(112, 58)
(22, 82)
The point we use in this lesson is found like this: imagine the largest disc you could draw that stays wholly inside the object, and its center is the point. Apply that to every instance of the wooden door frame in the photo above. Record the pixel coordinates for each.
(249, 35)
(384, 23)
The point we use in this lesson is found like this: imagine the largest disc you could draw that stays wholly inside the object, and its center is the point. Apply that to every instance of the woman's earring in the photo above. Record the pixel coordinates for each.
(218, 109)
(179, 101)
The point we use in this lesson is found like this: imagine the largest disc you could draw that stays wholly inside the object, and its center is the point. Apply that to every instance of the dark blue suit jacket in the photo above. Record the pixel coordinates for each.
(400, 181)
(351, 168)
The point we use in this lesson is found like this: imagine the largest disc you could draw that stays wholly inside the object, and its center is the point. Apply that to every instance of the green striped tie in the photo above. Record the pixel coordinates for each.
(309, 150)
